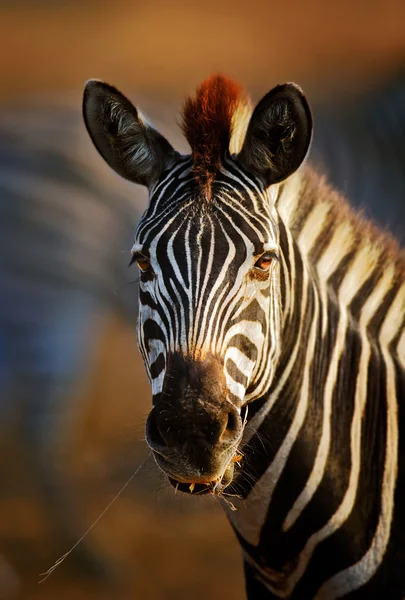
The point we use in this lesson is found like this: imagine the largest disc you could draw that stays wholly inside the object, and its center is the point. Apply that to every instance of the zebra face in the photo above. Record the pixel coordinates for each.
(207, 250)
(209, 315)
(209, 279)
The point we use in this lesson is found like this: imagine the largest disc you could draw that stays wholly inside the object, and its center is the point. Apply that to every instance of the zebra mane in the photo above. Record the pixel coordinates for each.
(211, 121)
(308, 198)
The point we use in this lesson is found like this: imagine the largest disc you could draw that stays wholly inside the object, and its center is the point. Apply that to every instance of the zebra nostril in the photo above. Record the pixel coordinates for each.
(154, 435)
(232, 425)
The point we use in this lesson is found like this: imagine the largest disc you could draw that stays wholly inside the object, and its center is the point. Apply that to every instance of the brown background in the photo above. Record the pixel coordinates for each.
(162, 545)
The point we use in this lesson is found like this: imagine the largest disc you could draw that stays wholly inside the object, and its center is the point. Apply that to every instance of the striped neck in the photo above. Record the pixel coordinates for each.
(314, 464)
(344, 257)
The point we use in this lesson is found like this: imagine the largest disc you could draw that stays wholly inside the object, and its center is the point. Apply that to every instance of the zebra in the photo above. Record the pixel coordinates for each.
(64, 226)
(272, 327)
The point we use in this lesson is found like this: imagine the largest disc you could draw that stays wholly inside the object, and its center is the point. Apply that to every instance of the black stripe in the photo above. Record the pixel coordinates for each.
(235, 373)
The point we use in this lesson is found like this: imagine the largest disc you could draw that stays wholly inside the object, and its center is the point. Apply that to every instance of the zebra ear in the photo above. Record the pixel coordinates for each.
(278, 135)
(126, 142)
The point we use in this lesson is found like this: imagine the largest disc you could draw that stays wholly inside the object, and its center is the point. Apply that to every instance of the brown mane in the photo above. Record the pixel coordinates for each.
(207, 125)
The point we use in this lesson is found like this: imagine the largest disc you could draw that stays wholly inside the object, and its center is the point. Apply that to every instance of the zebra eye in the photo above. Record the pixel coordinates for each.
(142, 261)
(264, 262)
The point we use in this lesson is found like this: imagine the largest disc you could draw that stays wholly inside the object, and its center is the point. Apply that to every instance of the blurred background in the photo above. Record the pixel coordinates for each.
(73, 392)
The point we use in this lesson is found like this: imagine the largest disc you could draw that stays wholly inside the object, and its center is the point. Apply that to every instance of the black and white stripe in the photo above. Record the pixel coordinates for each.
(336, 392)
(189, 308)
(315, 348)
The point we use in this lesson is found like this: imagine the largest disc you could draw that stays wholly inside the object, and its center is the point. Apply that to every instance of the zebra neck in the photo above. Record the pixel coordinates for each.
(311, 441)
(331, 250)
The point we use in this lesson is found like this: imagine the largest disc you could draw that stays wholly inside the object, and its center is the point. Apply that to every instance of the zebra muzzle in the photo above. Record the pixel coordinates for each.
(216, 486)
(203, 488)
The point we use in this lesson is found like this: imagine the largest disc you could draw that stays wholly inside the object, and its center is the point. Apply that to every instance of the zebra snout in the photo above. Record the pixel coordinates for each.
(170, 427)
(194, 441)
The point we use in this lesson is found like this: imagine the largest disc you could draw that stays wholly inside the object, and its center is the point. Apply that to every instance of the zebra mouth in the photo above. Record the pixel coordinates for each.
(201, 489)
(198, 489)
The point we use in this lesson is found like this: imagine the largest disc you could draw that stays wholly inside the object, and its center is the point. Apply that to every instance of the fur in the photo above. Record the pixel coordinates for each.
(207, 123)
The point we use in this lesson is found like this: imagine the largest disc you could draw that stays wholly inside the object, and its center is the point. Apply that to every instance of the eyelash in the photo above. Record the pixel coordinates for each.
(142, 261)
(265, 261)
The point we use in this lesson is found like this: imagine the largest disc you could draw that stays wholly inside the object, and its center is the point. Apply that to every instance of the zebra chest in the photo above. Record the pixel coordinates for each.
(275, 564)
(277, 581)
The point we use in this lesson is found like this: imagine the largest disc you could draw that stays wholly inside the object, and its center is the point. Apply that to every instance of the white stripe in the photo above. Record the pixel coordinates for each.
(357, 575)
(243, 362)
(346, 506)
(346, 294)
(251, 516)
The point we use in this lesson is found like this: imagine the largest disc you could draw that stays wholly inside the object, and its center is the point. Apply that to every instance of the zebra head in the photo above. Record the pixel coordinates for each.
(210, 263)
